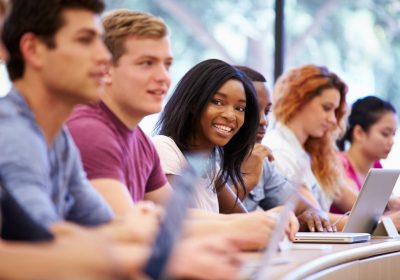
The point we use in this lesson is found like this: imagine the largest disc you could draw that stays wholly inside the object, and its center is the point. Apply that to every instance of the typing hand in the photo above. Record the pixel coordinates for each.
(315, 220)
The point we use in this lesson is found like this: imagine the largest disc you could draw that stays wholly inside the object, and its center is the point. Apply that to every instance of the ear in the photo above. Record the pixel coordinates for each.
(32, 50)
(358, 133)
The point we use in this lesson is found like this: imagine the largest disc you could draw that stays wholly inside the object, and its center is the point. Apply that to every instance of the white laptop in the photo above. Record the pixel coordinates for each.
(366, 212)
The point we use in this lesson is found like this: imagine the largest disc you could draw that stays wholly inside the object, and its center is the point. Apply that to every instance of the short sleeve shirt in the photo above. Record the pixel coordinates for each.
(111, 150)
(173, 161)
(48, 181)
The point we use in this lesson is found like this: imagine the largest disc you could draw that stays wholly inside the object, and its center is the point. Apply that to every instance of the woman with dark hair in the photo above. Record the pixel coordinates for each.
(213, 110)
(371, 127)
(309, 103)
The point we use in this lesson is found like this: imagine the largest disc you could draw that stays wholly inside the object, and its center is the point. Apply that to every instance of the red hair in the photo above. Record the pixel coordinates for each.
(295, 89)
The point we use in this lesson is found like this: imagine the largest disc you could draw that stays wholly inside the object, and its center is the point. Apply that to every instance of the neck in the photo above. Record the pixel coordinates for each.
(298, 130)
(129, 119)
(359, 160)
(50, 110)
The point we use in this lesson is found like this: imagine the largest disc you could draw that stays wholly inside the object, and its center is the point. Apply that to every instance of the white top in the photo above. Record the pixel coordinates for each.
(294, 162)
(173, 161)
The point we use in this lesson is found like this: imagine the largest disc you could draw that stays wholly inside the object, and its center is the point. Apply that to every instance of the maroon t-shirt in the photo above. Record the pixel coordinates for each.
(110, 150)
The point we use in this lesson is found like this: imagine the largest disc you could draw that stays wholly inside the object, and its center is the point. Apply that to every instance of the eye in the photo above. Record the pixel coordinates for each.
(241, 109)
(86, 40)
(217, 102)
(168, 65)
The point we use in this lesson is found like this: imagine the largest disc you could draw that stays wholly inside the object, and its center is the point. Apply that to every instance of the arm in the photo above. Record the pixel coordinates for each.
(115, 193)
(76, 253)
(161, 195)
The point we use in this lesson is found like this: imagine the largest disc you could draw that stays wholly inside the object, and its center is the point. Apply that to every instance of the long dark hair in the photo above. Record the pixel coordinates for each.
(365, 112)
(181, 116)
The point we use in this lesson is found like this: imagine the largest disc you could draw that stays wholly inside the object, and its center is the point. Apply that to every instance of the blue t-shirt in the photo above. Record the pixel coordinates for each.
(48, 182)
(272, 190)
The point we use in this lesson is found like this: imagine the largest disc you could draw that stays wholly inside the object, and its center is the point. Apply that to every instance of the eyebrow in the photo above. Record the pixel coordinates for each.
(224, 95)
(152, 57)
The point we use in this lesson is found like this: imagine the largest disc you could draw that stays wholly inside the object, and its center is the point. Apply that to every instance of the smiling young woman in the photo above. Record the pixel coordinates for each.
(213, 110)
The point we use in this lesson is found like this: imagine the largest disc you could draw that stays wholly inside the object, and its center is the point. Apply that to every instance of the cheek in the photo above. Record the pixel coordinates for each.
(240, 120)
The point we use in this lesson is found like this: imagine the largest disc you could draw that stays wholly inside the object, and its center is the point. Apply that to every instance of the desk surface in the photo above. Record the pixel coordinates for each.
(298, 264)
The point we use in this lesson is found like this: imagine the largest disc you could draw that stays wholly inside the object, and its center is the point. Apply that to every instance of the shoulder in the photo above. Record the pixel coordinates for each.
(171, 157)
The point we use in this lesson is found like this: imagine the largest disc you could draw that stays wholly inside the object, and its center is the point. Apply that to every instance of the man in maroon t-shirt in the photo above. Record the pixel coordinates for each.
(119, 159)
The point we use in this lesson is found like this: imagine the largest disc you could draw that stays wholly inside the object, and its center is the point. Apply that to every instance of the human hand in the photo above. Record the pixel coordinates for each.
(292, 227)
(253, 165)
(251, 231)
(79, 253)
(126, 228)
(315, 220)
(210, 257)
(394, 203)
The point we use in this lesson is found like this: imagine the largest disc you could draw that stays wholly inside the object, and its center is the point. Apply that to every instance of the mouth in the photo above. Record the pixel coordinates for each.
(157, 92)
(223, 130)
(98, 77)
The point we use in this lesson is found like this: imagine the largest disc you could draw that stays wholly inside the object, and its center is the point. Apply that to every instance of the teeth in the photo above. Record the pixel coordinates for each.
(223, 127)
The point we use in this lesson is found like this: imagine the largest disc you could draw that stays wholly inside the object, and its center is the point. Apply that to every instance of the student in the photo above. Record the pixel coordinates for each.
(272, 189)
(27, 165)
(308, 104)
(371, 128)
(141, 58)
(121, 161)
(213, 110)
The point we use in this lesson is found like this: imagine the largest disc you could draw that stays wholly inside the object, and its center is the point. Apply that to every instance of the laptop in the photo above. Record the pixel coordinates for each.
(175, 213)
(366, 212)
(16, 223)
(260, 269)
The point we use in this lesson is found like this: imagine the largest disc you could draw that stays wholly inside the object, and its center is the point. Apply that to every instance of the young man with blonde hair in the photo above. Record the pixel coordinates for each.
(118, 157)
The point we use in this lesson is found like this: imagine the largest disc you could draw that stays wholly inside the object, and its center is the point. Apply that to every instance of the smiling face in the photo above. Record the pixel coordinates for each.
(140, 79)
(318, 115)
(75, 68)
(223, 116)
(377, 142)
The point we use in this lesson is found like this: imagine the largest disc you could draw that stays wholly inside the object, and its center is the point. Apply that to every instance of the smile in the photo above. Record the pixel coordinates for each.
(223, 128)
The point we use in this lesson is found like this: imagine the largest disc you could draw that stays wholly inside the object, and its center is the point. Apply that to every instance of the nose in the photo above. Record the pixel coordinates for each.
(163, 76)
(332, 118)
(229, 113)
(263, 120)
(103, 55)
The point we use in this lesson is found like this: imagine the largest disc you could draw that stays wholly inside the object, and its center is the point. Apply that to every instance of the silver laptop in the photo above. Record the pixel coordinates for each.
(366, 212)
(260, 269)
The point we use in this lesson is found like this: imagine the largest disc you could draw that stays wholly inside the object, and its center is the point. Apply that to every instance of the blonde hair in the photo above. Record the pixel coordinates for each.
(295, 89)
(120, 24)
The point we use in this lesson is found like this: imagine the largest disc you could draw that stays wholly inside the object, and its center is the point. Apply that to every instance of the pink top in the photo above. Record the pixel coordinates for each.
(351, 174)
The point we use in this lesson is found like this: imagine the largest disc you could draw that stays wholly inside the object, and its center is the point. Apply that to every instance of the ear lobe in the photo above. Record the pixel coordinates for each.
(32, 50)
(358, 132)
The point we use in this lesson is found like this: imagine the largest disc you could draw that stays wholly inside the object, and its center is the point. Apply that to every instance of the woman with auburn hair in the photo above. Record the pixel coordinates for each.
(309, 104)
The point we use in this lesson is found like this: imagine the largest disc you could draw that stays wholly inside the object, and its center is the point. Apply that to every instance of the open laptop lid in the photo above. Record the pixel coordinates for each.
(262, 267)
(175, 213)
(372, 200)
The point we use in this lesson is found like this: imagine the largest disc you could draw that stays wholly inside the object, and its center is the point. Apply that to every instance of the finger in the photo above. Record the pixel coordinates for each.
(317, 221)
(310, 224)
(326, 224)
